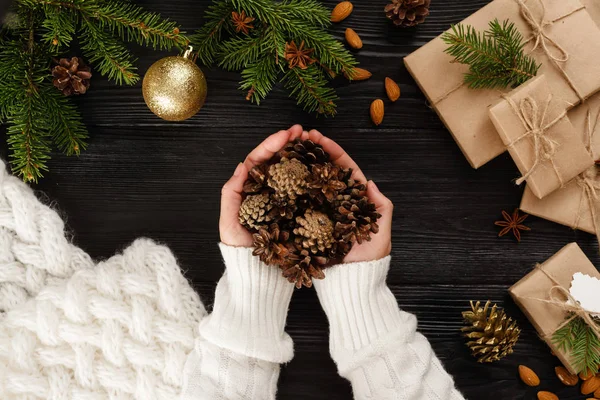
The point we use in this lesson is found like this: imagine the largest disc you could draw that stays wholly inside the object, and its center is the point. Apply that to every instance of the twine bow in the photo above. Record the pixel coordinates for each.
(544, 41)
(568, 304)
(534, 120)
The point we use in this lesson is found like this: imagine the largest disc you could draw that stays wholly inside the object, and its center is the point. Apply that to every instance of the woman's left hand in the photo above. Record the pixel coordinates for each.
(232, 232)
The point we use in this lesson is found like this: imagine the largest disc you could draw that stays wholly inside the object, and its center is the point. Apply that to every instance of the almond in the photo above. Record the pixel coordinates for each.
(585, 375)
(392, 89)
(377, 111)
(566, 377)
(353, 39)
(341, 11)
(528, 377)
(590, 386)
(358, 74)
(546, 396)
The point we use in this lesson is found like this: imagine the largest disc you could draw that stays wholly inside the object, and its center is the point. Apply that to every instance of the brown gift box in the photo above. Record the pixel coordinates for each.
(570, 205)
(530, 120)
(464, 111)
(531, 292)
(593, 7)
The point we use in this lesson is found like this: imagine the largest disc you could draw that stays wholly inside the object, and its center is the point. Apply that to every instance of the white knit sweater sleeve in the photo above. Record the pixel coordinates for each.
(375, 344)
(242, 342)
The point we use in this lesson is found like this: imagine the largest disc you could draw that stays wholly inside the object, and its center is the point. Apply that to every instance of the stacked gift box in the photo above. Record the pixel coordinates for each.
(551, 127)
(548, 124)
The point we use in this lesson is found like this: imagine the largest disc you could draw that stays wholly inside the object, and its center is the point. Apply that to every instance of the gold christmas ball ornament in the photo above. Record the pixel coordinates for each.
(174, 88)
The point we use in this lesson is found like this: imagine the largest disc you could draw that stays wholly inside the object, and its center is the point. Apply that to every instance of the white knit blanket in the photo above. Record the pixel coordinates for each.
(69, 329)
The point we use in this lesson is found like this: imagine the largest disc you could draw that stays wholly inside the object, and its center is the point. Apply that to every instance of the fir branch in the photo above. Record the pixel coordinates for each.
(109, 55)
(207, 39)
(495, 57)
(580, 341)
(310, 88)
(58, 27)
(275, 23)
(130, 22)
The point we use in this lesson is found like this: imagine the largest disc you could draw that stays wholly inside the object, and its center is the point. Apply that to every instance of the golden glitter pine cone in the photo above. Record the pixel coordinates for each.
(406, 13)
(490, 332)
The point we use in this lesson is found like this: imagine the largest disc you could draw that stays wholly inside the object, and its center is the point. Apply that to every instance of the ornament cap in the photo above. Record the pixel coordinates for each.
(190, 54)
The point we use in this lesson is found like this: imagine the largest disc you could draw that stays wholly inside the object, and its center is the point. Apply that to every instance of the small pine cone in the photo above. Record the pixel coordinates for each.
(407, 13)
(315, 231)
(288, 179)
(301, 269)
(282, 209)
(270, 245)
(257, 179)
(307, 151)
(324, 182)
(254, 211)
(356, 219)
(491, 333)
(71, 76)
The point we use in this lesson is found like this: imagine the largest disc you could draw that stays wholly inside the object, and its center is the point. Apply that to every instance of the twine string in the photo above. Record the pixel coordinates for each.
(534, 120)
(542, 40)
(560, 297)
(590, 187)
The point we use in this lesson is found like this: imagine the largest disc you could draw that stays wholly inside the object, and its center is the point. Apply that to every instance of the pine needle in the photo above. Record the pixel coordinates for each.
(580, 341)
(495, 57)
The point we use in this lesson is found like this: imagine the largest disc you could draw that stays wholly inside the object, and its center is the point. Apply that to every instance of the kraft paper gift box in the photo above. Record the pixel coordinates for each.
(576, 204)
(533, 123)
(593, 8)
(464, 111)
(532, 293)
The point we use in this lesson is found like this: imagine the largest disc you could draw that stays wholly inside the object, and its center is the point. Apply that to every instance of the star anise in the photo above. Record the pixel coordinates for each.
(298, 55)
(242, 22)
(513, 223)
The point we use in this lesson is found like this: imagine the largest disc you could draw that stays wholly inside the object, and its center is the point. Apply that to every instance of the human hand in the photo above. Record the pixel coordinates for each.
(381, 243)
(231, 231)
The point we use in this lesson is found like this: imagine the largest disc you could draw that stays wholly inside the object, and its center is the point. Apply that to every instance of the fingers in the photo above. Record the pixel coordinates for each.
(295, 131)
(337, 153)
(231, 196)
(384, 206)
(269, 147)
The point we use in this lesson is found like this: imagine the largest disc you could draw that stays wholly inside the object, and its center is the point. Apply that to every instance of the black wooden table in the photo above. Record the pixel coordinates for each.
(142, 176)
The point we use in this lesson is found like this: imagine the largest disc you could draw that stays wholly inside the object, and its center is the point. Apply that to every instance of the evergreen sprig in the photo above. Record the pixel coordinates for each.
(495, 57)
(38, 116)
(579, 340)
(260, 54)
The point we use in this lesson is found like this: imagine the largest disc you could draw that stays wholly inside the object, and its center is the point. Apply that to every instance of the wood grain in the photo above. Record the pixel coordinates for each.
(142, 176)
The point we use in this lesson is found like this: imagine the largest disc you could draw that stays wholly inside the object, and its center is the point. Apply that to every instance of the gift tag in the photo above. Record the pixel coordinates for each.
(586, 290)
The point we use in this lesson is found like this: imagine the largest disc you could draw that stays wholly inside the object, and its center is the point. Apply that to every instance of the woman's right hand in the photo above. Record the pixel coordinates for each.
(380, 244)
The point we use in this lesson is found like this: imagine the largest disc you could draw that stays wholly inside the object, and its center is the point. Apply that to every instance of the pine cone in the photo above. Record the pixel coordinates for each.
(407, 13)
(306, 151)
(72, 76)
(282, 209)
(257, 179)
(288, 179)
(254, 211)
(315, 231)
(356, 219)
(324, 182)
(491, 332)
(301, 269)
(270, 245)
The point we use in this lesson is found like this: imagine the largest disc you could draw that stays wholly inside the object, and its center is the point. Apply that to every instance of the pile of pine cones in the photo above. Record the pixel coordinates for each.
(305, 212)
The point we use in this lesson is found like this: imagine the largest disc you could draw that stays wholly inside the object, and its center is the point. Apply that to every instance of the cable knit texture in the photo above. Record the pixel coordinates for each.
(33, 247)
(374, 344)
(243, 341)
